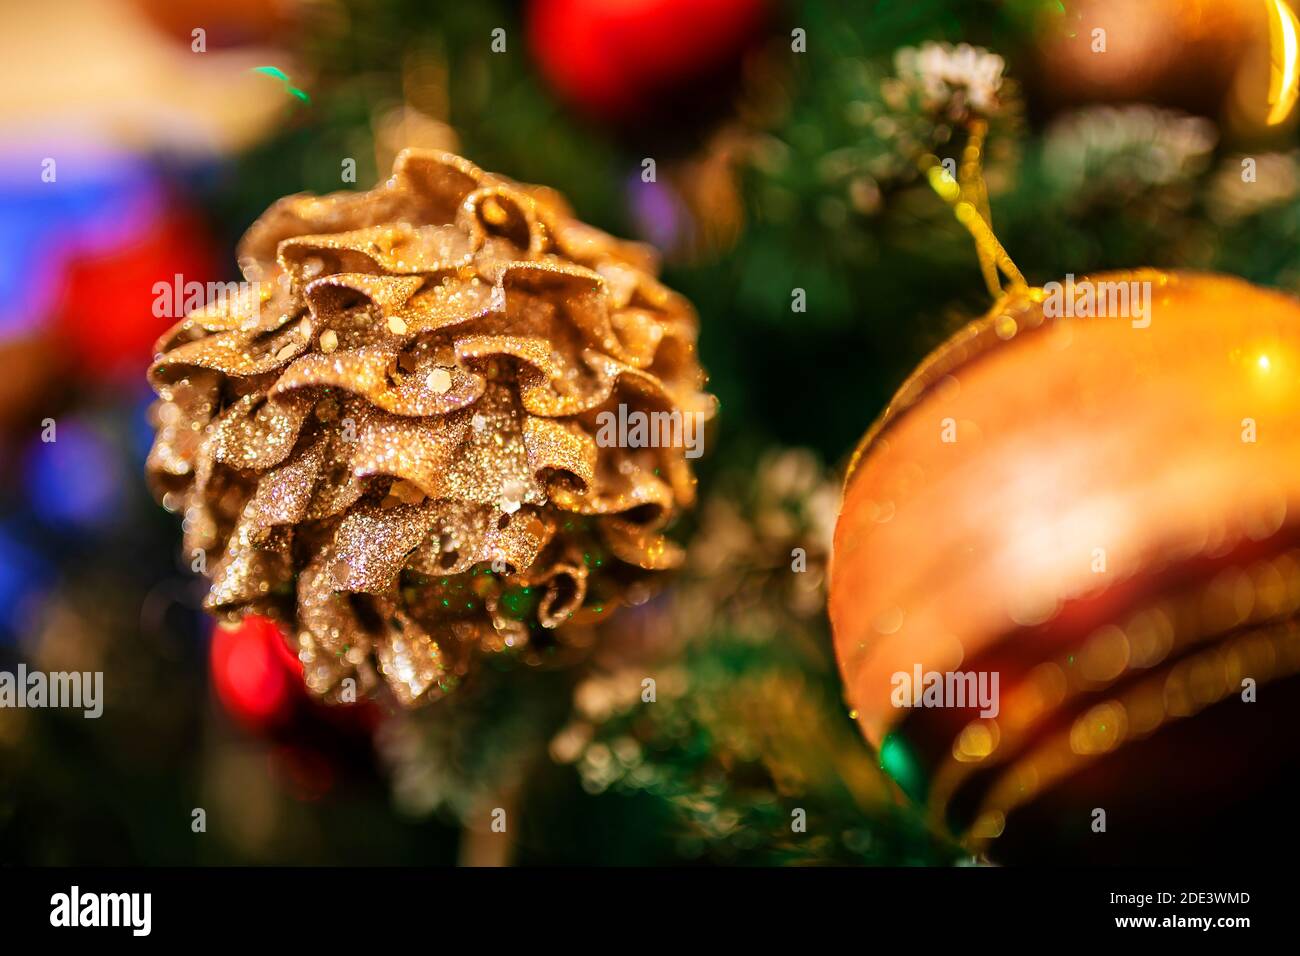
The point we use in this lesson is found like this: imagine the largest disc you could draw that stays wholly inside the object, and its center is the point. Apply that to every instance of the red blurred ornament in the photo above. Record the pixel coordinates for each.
(311, 746)
(256, 676)
(29, 368)
(227, 23)
(615, 60)
(105, 322)
(258, 679)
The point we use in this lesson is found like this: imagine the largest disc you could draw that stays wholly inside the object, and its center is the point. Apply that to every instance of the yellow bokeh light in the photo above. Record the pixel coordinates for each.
(1284, 81)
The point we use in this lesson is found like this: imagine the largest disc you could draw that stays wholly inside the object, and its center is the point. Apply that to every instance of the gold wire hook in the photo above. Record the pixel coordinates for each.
(970, 180)
(968, 195)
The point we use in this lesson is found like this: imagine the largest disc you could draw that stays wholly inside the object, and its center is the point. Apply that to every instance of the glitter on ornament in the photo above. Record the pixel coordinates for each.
(469, 331)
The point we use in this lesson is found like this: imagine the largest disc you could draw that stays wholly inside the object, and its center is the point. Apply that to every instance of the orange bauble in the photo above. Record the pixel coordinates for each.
(1198, 55)
(1103, 512)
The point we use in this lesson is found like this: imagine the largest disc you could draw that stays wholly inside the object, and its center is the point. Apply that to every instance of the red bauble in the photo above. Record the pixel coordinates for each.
(618, 60)
(256, 677)
(259, 683)
(105, 323)
(229, 23)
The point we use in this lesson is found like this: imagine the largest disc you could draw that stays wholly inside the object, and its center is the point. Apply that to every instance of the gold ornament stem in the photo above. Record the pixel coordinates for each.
(987, 244)
(968, 195)
(970, 178)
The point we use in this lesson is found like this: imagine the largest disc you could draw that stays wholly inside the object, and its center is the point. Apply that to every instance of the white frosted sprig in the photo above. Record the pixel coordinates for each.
(952, 79)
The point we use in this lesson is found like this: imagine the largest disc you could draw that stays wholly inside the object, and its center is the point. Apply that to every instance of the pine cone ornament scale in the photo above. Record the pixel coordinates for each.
(391, 445)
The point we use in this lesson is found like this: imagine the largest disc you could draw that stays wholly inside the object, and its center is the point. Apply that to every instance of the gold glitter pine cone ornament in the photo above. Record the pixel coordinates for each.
(391, 446)
(1107, 517)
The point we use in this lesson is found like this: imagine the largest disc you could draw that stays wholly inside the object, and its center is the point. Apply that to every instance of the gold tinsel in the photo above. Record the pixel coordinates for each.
(390, 447)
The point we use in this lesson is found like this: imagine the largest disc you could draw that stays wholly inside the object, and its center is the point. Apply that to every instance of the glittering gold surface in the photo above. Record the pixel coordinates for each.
(392, 450)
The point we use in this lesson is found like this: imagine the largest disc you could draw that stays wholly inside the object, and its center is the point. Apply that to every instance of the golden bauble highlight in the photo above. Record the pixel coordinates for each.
(1103, 512)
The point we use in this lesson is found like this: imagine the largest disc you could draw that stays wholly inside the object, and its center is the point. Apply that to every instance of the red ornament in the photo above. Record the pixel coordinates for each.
(228, 23)
(255, 674)
(615, 60)
(310, 745)
(106, 322)
(258, 679)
